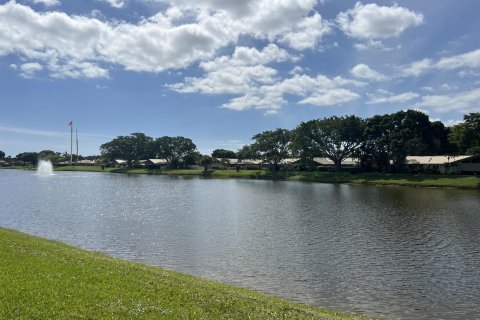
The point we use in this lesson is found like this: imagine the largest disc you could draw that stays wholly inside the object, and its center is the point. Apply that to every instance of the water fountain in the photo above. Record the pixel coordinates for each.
(44, 168)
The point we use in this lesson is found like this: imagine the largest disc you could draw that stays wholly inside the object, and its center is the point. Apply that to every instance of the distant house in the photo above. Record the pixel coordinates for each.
(156, 163)
(86, 162)
(444, 164)
(242, 163)
(327, 163)
(120, 163)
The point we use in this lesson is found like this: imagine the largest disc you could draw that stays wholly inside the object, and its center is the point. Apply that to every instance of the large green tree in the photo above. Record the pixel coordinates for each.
(27, 157)
(272, 146)
(175, 149)
(205, 161)
(2, 155)
(49, 155)
(222, 153)
(248, 152)
(134, 147)
(390, 138)
(335, 138)
(466, 135)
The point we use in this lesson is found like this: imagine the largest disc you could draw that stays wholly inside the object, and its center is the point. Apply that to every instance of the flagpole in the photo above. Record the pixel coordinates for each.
(71, 142)
(76, 138)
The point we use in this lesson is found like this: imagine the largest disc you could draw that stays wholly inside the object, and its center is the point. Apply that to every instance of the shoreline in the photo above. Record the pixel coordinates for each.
(442, 181)
(49, 280)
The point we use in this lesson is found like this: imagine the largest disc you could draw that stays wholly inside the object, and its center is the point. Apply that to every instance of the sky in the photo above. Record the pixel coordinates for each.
(220, 71)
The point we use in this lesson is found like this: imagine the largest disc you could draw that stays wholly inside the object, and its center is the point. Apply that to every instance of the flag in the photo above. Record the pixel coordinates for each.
(69, 124)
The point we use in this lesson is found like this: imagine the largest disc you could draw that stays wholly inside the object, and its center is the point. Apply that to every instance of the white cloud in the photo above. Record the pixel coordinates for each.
(374, 45)
(430, 89)
(465, 102)
(238, 73)
(153, 45)
(184, 33)
(416, 68)
(115, 3)
(308, 33)
(48, 3)
(469, 60)
(449, 122)
(265, 19)
(28, 70)
(383, 96)
(363, 71)
(234, 8)
(371, 21)
(331, 97)
(31, 131)
(247, 74)
(259, 86)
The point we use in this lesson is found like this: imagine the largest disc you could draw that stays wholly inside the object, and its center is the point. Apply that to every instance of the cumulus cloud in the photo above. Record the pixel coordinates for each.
(308, 33)
(469, 60)
(365, 72)
(28, 70)
(465, 102)
(416, 68)
(383, 96)
(371, 21)
(248, 75)
(238, 73)
(330, 97)
(374, 45)
(81, 45)
(153, 45)
(115, 3)
(47, 3)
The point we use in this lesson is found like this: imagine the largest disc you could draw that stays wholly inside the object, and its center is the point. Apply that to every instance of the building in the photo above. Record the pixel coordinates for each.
(466, 164)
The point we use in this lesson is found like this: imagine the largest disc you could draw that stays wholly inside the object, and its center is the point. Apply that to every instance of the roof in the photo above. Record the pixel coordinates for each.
(434, 159)
(158, 161)
(251, 162)
(328, 162)
(241, 161)
(86, 162)
(120, 161)
(290, 161)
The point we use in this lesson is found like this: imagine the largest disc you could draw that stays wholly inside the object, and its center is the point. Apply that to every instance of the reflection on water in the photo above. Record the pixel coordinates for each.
(386, 252)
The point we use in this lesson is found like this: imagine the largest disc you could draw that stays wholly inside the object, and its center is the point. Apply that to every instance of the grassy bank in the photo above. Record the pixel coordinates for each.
(411, 180)
(43, 279)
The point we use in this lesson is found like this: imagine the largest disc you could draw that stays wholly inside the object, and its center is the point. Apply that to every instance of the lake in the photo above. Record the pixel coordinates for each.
(390, 252)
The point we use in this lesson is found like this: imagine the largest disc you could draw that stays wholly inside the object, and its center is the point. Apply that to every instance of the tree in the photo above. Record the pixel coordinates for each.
(466, 135)
(390, 138)
(49, 155)
(27, 157)
(335, 138)
(224, 154)
(205, 161)
(131, 148)
(272, 146)
(174, 149)
(248, 152)
(2, 155)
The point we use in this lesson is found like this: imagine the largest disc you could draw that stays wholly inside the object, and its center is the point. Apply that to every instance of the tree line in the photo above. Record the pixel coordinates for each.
(380, 143)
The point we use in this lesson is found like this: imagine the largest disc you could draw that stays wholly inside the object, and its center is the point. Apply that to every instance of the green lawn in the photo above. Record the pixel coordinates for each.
(412, 180)
(43, 279)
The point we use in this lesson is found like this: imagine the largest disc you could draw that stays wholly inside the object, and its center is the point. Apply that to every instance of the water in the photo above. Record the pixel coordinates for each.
(397, 253)
(44, 168)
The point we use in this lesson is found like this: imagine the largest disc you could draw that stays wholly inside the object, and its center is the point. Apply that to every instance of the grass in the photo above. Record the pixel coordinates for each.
(410, 180)
(43, 279)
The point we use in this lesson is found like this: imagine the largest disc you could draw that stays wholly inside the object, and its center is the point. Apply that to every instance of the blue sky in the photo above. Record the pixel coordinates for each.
(220, 71)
